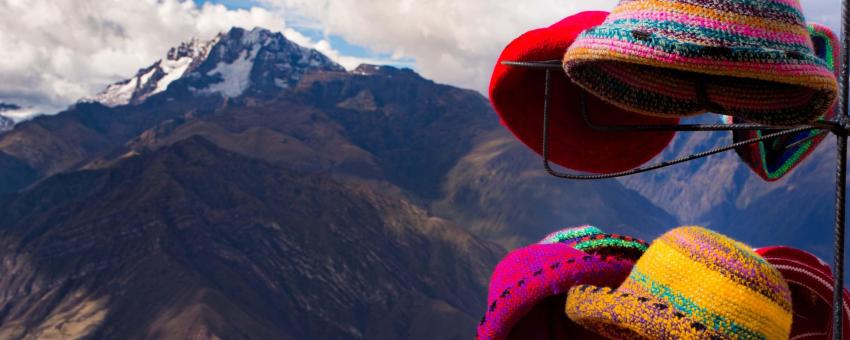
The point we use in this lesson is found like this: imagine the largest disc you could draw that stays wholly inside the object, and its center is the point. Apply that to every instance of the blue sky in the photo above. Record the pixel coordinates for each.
(243, 4)
(338, 43)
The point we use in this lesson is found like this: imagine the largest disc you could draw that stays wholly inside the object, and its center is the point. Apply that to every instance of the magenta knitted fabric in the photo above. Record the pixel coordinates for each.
(530, 275)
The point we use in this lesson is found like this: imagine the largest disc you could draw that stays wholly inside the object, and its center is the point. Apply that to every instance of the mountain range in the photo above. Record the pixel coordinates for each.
(248, 187)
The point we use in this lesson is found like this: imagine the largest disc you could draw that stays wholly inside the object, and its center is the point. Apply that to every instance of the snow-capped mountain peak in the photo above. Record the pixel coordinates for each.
(156, 78)
(229, 65)
(256, 61)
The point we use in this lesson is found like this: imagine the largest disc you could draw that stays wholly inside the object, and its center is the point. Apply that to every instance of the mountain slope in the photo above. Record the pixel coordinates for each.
(500, 191)
(721, 192)
(243, 250)
(311, 203)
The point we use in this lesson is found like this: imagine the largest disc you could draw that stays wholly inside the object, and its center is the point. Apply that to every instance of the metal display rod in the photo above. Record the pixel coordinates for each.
(839, 128)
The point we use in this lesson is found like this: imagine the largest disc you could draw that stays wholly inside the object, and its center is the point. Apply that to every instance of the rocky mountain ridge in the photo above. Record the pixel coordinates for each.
(313, 204)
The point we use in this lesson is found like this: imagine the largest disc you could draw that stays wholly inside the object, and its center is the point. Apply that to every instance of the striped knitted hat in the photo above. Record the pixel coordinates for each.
(810, 280)
(570, 235)
(592, 240)
(612, 245)
(691, 283)
(744, 58)
(528, 291)
(775, 158)
(517, 96)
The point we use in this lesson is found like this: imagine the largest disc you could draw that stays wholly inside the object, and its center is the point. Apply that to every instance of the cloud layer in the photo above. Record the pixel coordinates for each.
(55, 52)
(456, 42)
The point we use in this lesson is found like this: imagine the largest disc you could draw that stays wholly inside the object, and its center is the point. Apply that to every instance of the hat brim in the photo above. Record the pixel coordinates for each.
(805, 271)
(530, 275)
(570, 235)
(772, 160)
(655, 75)
(611, 245)
(517, 94)
(624, 315)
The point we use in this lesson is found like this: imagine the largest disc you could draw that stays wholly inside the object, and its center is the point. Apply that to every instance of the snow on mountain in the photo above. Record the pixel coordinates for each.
(256, 62)
(230, 64)
(156, 78)
(235, 76)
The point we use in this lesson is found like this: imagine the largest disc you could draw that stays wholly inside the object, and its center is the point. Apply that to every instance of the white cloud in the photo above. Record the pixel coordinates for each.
(455, 42)
(53, 52)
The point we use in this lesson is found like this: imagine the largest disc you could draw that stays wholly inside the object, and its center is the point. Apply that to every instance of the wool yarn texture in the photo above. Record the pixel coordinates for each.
(811, 283)
(528, 290)
(671, 58)
(773, 159)
(691, 283)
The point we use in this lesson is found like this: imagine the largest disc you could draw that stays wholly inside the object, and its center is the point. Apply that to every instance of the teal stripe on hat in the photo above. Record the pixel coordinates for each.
(673, 26)
(691, 50)
(571, 234)
(691, 309)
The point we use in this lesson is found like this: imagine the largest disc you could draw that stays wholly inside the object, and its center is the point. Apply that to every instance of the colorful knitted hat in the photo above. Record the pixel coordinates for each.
(773, 159)
(517, 96)
(527, 290)
(743, 58)
(612, 245)
(570, 235)
(691, 283)
(592, 240)
(810, 280)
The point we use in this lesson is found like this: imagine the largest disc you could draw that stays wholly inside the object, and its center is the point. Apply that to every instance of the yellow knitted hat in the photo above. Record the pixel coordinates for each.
(692, 283)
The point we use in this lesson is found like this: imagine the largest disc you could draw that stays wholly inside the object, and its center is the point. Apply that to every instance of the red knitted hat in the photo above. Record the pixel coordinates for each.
(517, 96)
(811, 282)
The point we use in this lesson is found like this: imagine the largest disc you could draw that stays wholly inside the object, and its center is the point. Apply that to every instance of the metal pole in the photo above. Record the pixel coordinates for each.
(841, 175)
(840, 185)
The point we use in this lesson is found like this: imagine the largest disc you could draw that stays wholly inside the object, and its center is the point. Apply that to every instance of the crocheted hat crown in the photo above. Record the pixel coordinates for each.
(570, 235)
(745, 58)
(775, 158)
(690, 283)
(592, 240)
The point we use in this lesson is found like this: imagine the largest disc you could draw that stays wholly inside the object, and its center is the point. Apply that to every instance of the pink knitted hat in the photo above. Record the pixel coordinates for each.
(528, 291)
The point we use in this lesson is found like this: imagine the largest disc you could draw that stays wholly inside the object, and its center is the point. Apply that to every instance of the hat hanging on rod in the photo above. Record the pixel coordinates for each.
(772, 160)
(672, 59)
(517, 96)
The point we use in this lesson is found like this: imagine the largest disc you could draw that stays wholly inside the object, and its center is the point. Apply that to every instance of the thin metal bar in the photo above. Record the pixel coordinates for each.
(546, 95)
(840, 186)
(823, 124)
(547, 64)
(674, 127)
(808, 138)
(839, 128)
